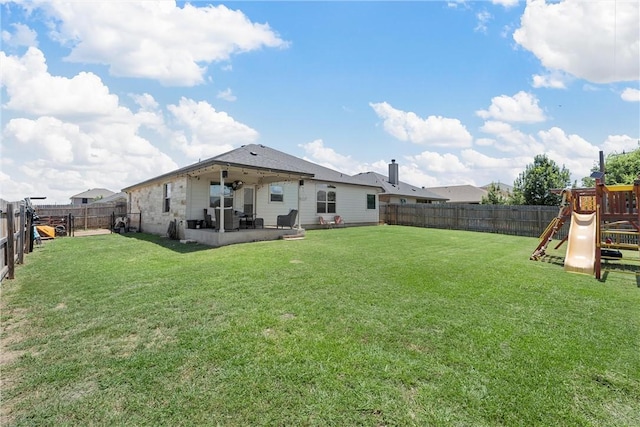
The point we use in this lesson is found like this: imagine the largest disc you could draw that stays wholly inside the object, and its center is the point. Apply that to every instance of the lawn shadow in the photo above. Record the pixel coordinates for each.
(608, 266)
(620, 267)
(553, 259)
(165, 242)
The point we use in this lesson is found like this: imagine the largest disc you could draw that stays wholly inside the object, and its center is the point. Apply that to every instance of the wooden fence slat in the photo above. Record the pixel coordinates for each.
(90, 216)
(11, 235)
(527, 221)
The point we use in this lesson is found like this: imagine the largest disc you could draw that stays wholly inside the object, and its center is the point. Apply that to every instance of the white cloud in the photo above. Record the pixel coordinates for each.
(469, 167)
(227, 95)
(52, 138)
(145, 101)
(434, 130)
(505, 3)
(80, 132)
(567, 145)
(156, 40)
(477, 160)
(33, 90)
(594, 40)
(631, 95)
(14, 191)
(590, 88)
(553, 80)
(483, 19)
(522, 107)
(22, 36)
(409, 172)
(494, 169)
(208, 132)
(415, 175)
(572, 151)
(510, 139)
(453, 4)
(485, 142)
(108, 155)
(506, 31)
(317, 152)
(620, 143)
(439, 164)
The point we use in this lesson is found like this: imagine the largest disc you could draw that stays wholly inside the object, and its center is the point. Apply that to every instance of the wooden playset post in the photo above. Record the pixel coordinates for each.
(599, 199)
(599, 196)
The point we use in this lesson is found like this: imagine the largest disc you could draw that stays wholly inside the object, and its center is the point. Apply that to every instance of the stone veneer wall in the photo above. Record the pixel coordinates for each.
(149, 201)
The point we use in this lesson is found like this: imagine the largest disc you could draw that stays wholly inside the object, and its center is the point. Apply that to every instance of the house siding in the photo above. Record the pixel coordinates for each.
(190, 197)
(351, 204)
(198, 198)
(148, 200)
(398, 199)
(269, 210)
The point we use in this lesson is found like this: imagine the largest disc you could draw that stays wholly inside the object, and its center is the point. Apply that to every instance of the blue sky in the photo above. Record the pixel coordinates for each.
(108, 94)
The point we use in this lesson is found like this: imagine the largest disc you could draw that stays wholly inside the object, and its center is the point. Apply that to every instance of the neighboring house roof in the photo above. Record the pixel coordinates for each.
(460, 193)
(93, 193)
(260, 157)
(504, 188)
(400, 189)
(113, 198)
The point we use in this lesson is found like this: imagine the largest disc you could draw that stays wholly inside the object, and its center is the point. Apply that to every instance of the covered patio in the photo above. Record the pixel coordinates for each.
(212, 237)
(235, 190)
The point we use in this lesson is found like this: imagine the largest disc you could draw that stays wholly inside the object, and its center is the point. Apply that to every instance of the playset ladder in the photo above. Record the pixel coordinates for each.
(552, 229)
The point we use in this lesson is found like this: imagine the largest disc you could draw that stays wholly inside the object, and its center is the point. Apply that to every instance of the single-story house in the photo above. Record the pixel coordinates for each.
(396, 191)
(460, 193)
(259, 185)
(90, 196)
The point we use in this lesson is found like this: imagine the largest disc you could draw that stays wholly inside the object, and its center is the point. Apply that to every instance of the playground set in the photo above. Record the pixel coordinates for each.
(603, 220)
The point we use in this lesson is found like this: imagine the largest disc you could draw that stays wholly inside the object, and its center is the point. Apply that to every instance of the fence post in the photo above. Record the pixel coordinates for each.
(11, 235)
(21, 236)
(30, 226)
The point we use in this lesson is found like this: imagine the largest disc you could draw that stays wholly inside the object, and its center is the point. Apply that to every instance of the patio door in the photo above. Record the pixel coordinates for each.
(248, 207)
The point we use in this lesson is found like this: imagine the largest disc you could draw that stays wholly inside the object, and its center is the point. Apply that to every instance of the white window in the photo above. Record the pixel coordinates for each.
(166, 197)
(276, 193)
(326, 199)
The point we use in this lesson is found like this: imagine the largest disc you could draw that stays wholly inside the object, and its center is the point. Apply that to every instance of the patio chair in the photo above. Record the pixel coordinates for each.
(323, 222)
(208, 219)
(231, 220)
(338, 221)
(288, 220)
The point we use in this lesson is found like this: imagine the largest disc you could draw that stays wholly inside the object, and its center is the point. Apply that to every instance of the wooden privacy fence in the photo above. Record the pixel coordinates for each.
(85, 217)
(514, 220)
(14, 237)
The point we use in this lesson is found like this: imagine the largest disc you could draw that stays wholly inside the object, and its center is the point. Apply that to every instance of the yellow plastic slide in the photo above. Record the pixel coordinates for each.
(46, 232)
(581, 247)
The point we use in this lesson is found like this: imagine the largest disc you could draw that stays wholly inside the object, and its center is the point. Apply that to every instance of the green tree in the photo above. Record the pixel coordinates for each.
(534, 185)
(620, 168)
(494, 196)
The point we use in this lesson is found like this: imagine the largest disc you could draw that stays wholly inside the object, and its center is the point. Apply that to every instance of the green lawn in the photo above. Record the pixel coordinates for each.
(371, 326)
